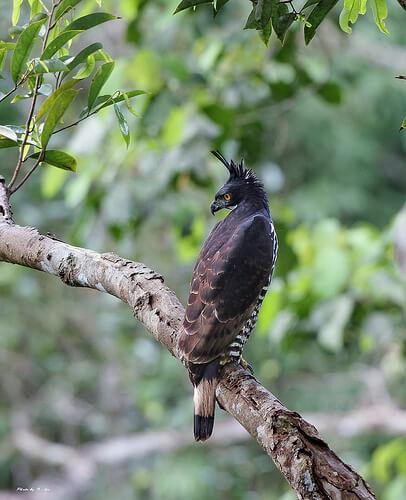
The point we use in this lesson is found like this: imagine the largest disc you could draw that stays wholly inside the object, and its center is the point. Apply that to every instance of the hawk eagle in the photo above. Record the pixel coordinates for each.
(229, 283)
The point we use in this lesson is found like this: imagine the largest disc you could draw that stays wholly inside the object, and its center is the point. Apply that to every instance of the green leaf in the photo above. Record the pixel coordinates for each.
(380, 10)
(49, 66)
(58, 159)
(8, 133)
(122, 122)
(284, 24)
(58, 42)
(15, 31)
(19, 97)
(350, 12)
(35, 6)
(186, 4)
(83, 55)
(403, 124)
(330, 92)
(316, 17)
(89, 21)
(281, 19)
(24, 46)
(7, 143)
(251, 23)
(3, 53)
(266, 33)
(107, 100)
(64, 7)
(102, 55)
(309, 3)
(7, 45)
(16, 11)
(128, 105)
(31, 82)
(263, 11)
(49, 101)
(75, 28)
(87, 69)
(99, 79)
(56, 112)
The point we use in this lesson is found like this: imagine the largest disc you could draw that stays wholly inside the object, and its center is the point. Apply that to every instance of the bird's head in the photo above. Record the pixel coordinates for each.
(242, 187)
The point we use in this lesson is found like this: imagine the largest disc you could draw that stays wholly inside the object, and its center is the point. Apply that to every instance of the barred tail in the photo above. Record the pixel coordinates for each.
(204, 377)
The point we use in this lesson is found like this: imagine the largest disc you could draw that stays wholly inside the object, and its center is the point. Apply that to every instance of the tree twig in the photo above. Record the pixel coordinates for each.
(74, 123)
(8, 93)
(28, 174)
(32, 107)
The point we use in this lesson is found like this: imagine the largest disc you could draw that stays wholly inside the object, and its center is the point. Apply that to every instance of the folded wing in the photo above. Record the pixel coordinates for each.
(233, 267)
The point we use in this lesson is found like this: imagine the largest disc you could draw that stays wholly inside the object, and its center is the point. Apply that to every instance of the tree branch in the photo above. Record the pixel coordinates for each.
(31, 111)
(6, 215)
(312, 469)
(402, 3)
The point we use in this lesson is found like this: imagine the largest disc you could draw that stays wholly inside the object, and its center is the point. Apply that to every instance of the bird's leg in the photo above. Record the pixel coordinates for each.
(247, 366)
(227, 358)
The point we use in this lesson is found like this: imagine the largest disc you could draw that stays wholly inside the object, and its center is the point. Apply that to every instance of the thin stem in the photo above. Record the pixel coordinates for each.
(25, 138)
(112, 97)
(32, 109)
(28, 174)
(9, 93)
(74, 123)
(290, 2)
(18, 84)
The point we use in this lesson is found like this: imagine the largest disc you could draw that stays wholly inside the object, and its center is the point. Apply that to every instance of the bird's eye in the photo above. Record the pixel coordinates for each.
(227, 196)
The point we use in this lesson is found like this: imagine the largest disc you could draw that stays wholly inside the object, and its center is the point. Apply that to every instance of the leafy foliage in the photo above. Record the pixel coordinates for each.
(29, 71)
(279, 15)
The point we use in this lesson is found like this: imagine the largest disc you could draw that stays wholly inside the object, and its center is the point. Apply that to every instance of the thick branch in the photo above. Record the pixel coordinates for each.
(306, 461)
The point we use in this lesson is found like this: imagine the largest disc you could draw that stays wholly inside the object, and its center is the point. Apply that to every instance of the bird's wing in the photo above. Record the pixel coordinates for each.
(228, 277)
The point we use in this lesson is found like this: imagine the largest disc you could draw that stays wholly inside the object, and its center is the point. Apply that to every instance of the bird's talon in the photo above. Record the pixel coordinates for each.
(244, 364)
(225, 360)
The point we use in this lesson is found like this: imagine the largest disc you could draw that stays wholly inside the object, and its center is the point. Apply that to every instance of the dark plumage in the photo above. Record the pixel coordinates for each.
(228, 285)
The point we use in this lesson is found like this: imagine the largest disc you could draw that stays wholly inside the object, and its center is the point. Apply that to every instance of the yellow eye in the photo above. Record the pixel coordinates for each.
(227, 196)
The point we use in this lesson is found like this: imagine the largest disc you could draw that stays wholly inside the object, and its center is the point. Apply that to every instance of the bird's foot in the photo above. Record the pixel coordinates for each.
(244, 364)
(226, 359)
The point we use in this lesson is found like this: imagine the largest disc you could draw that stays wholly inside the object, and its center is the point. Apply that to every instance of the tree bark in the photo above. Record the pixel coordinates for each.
(312, 469)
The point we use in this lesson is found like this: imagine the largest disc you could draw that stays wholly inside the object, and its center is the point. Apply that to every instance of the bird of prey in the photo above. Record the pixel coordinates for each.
(229, 283)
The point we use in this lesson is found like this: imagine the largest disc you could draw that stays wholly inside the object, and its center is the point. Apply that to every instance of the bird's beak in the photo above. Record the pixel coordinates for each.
(215, 207)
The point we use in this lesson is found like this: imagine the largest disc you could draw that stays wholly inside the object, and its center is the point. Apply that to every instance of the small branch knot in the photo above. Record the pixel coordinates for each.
(6, 215)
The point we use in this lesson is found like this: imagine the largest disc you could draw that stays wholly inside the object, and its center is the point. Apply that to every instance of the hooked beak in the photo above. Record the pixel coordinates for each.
(215, 207)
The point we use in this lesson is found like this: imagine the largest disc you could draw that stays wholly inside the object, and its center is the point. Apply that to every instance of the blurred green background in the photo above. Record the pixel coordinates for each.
(320, 126)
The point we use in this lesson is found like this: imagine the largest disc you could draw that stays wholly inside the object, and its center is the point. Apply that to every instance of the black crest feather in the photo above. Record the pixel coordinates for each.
(236, 170)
